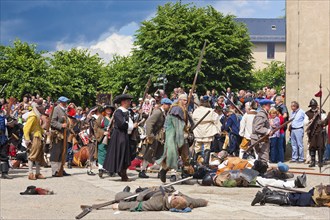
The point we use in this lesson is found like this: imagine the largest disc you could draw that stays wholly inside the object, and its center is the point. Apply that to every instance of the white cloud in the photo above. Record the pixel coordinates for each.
(239, 8)
(111, 42)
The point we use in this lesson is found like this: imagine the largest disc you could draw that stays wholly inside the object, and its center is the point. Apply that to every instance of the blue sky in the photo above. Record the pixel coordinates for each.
(103, 26)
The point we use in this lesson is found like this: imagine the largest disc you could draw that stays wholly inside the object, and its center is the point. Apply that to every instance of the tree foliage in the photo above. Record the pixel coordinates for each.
(75, 74)
(170, 43)
(23, 69)
(272, 76)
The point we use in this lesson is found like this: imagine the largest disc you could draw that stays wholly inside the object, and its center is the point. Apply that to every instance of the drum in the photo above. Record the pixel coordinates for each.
(80, 158)
(84, 137)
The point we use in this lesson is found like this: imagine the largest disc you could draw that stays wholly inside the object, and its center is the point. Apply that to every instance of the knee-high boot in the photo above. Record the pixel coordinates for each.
(312, 153)
(272, 197)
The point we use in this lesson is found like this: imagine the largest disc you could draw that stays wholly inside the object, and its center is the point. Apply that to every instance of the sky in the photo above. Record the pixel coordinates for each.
(105, 27)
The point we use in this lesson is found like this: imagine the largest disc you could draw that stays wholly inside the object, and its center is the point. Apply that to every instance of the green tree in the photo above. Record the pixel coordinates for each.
(272, 76)
(170, 44)
(75, 74)
(24, 69)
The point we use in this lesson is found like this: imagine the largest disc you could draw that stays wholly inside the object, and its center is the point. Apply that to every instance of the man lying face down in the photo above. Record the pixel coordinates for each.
(157, 199)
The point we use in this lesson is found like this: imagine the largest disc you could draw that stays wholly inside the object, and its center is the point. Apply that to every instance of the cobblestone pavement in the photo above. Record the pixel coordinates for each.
(78, 189)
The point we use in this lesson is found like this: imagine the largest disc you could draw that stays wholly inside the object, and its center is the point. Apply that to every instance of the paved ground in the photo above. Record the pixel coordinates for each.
(71, 192)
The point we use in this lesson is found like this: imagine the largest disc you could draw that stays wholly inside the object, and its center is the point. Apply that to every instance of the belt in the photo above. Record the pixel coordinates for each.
(296, 128)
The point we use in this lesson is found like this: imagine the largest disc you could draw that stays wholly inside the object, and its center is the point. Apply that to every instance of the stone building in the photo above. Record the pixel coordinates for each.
(307, 50)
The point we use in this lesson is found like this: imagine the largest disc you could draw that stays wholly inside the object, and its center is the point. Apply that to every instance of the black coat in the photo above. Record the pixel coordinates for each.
(118, 154)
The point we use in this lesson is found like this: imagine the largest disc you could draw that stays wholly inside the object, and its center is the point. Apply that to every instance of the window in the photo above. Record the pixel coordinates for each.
(270, 51)
(274, 27)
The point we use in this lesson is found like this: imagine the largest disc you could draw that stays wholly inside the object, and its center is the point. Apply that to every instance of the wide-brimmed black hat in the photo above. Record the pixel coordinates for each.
(30, 190)
(108, 106)
(122, 97)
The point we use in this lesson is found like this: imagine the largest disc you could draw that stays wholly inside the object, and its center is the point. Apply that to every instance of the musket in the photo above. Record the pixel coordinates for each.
(310, 173)
(287, 189)
(3, 87)
(262, 139)
(196, 74)
(319, 150)
(144, 96)
(87, 209)
(125, 89)
(65, 141)
(233, 104)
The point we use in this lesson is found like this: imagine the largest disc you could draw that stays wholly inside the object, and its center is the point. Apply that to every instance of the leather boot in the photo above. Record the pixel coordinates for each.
(278, 198)
(143, 174)
(162, 175)
(127, 189)
(4, 175)
(207, 157)
(312, 153)
(4, 170)
(272, 197)
(123, 175)
(320, 154)
(300, 182)
(101, 173)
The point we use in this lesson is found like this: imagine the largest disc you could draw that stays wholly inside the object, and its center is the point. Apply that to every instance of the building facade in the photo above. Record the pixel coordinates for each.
(268, 38)
(308, 50)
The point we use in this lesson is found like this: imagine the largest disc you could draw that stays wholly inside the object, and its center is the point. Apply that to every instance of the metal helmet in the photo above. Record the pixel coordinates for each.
(208, 179)
(313, 102)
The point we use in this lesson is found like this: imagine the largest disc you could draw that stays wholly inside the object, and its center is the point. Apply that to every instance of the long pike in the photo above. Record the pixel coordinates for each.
(196, 74)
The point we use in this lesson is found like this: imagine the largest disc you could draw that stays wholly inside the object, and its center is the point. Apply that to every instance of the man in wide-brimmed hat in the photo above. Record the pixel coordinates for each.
(118, 156)
(33, 139)
(260, 128)
(58, 124)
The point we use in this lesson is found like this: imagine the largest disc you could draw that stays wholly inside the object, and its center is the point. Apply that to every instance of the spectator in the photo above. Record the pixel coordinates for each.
(297, 133)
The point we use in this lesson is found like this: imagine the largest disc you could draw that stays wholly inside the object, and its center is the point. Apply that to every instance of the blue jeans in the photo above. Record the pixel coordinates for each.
(327, 152)
(281, 148)
(273, 149)
(297, 144)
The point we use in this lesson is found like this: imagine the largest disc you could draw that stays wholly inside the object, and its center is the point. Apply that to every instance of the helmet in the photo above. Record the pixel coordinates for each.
(208, 179)
(313, 102)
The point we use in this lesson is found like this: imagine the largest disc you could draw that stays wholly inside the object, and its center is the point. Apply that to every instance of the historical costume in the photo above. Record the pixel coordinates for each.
(246, 128)
(33, 133)
(155, 199)
(102, 133)
(4, 146)
(232, 127)
(72, 122)
(315, 133)
(175, 134)
(155, 133)
(260, 128)
(316, 197)
(118, 157)
(59, 126)
(204, 133)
